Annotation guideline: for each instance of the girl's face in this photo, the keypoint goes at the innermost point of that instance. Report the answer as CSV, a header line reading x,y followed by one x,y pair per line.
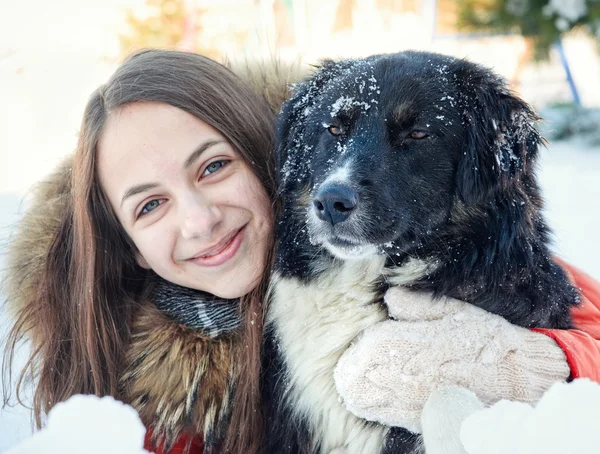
x,y
194,209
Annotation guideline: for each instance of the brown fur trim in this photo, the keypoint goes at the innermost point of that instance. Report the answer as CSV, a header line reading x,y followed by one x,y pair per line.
x,y
272,78
29,244
179,380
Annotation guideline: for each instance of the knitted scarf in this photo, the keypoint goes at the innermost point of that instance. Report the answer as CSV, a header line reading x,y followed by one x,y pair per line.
x,y
200,311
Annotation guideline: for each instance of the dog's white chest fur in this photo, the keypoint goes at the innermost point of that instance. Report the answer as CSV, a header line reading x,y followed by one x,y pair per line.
x,y
314,324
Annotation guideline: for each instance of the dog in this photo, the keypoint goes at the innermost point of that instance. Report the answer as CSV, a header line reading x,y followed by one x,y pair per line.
x,y
412,169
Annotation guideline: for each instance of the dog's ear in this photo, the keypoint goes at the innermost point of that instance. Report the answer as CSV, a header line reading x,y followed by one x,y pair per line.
x,y
502,140
305,93
291,121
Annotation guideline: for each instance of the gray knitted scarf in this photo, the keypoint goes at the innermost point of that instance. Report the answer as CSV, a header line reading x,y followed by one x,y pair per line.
x,y
198,310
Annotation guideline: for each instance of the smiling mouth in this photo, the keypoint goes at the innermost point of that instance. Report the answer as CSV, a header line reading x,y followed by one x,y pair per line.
x,y
221,252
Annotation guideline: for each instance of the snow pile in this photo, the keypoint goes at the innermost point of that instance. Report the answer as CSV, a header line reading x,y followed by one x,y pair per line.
x,y
564,421
568,12
88,424
572,122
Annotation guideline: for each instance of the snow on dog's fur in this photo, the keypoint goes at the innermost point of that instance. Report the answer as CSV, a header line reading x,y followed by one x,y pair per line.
x,y
410,169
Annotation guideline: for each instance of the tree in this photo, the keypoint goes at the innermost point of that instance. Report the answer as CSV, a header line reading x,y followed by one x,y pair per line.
x,y
542,21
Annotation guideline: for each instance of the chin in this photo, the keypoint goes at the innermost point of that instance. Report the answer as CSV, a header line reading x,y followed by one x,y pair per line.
x,y
239,290
352,252
231,293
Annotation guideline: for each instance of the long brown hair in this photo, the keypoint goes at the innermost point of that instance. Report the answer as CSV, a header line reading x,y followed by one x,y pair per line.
x,y
81,315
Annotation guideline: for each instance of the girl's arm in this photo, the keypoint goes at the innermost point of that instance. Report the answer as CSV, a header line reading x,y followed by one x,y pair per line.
x,y
390,371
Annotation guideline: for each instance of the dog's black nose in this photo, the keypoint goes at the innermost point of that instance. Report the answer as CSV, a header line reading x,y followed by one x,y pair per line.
x,y
335,203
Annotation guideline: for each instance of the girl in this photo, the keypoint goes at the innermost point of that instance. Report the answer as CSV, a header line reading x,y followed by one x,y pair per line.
x,y
147,283
140,269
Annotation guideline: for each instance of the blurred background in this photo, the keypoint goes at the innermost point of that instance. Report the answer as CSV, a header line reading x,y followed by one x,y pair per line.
x,y
53,54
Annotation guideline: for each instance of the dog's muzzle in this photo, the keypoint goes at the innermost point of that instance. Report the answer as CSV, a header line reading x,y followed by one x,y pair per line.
x,y
330,224
335,203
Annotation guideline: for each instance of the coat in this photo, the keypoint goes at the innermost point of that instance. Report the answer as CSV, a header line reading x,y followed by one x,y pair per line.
x,y
581,345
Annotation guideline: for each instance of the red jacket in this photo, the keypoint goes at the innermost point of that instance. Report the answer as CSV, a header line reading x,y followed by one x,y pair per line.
x,y
581,345
196,447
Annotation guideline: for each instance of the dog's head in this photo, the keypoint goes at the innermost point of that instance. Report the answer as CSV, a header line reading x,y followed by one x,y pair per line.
x,y
379,151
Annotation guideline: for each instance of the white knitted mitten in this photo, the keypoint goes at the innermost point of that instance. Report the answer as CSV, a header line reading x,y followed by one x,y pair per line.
x,y
392,368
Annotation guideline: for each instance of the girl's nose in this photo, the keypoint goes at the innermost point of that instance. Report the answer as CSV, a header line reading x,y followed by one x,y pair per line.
x,y
199,218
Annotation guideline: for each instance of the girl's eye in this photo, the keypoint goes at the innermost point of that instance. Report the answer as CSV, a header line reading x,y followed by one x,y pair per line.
x,y
150,206
214,167
416,134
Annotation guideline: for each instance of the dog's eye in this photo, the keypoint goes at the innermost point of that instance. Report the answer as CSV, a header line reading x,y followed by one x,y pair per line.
x,y
416,134
336,130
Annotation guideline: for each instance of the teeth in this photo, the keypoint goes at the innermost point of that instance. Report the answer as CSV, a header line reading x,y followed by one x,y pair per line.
x,y
211,255
219,251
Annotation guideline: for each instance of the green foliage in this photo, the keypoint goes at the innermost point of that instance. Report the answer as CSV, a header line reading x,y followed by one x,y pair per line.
x,y
543,21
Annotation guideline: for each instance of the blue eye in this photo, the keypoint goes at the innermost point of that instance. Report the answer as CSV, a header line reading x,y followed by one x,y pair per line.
x,y
150,206
214,167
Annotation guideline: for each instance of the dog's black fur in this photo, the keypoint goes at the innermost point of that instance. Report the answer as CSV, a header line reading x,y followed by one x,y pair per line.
x,y
442,171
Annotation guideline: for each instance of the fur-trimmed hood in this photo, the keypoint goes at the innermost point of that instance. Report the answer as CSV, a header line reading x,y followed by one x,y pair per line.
x,y
178,379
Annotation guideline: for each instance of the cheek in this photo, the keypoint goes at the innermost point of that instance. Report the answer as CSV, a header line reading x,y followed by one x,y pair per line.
x,y
252,196
412,187
263,207
427,172
154,245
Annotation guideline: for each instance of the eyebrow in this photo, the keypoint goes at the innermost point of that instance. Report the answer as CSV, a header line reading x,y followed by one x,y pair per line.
x,y
198,151
137,189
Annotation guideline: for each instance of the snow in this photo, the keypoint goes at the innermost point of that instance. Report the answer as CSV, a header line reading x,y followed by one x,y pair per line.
x,y
565,420
345,103
570,181
567,10
88,424
507,138
567,121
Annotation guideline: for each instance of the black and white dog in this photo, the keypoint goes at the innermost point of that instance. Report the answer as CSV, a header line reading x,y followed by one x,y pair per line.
x,y
411,169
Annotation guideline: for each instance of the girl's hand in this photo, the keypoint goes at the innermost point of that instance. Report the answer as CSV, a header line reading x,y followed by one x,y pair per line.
x,y
393,367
